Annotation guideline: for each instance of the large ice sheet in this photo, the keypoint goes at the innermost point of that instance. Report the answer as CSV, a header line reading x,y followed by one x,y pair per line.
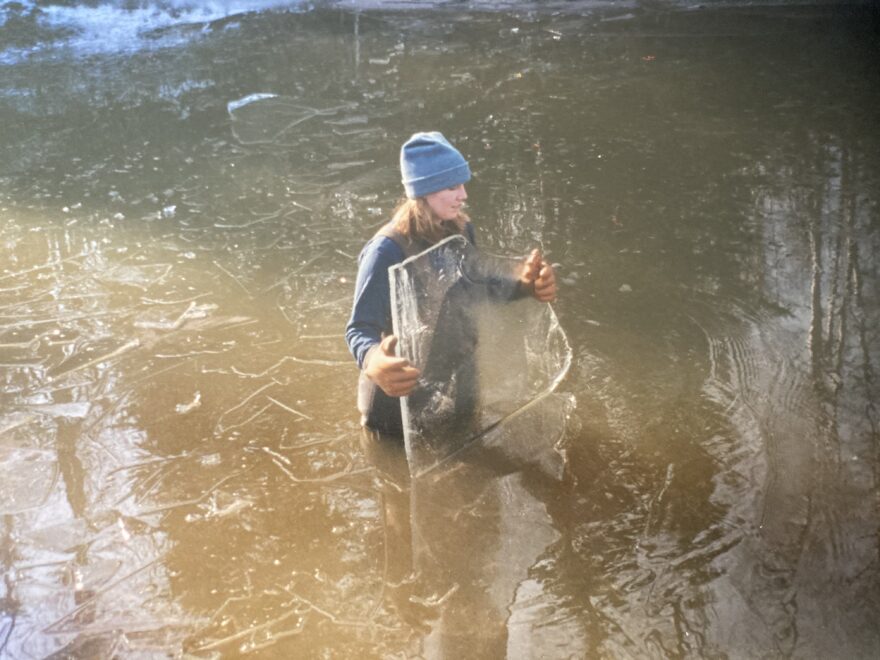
x,y
483,352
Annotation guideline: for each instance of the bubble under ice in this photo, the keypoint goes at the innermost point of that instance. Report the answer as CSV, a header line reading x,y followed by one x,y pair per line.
x,y
483,350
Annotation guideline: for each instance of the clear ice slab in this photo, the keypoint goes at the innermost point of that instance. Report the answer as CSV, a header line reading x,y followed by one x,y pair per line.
x,y
484,351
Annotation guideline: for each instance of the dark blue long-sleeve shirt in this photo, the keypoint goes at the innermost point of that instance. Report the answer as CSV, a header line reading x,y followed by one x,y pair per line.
x,y
371,310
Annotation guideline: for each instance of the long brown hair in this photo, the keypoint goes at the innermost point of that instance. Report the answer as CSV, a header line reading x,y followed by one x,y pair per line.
x,y
414,219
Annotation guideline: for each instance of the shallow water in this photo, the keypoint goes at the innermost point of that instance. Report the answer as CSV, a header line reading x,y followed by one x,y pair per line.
x,y
181,469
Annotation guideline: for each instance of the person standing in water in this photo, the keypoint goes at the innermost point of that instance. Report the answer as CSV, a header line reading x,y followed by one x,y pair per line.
x,y
433,175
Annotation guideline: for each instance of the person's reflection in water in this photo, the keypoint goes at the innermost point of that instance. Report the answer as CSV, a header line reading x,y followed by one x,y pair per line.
x,y
460,539
387,456
440,592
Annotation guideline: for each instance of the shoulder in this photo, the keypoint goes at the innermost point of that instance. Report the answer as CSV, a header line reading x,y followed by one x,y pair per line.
x,y
380,250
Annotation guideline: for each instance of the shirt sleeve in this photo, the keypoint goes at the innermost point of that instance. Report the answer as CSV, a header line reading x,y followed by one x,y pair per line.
x,y
371,309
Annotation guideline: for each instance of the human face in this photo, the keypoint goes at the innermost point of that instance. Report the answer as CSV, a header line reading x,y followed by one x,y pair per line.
x,y
446,204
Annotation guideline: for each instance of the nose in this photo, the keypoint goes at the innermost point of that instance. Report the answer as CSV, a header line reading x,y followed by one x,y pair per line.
x,y
462,193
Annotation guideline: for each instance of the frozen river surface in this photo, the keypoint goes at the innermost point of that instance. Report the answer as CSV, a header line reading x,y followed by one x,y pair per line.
x,y
184,190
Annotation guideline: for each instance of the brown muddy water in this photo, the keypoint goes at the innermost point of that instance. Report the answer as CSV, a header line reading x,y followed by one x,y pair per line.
x,y
181,467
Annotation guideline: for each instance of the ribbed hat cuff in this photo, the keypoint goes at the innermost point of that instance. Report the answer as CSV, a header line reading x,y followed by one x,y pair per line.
x,y
437,181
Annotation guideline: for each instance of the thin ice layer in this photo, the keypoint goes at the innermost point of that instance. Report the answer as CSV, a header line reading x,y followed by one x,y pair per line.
x,y
483,350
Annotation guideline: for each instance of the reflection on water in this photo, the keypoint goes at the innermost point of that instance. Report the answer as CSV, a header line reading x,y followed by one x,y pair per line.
x,y
464,537
181,469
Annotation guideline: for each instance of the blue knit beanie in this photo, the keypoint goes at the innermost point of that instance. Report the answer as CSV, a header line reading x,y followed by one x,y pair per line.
x,y
428,163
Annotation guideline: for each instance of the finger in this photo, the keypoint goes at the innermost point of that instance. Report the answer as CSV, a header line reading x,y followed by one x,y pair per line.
x,y
546,278
397,364
532,264
400,388
404,374
547,272
546,282
545,291
389,344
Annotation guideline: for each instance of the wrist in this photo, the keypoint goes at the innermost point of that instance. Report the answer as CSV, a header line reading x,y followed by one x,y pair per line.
x,y
368,357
